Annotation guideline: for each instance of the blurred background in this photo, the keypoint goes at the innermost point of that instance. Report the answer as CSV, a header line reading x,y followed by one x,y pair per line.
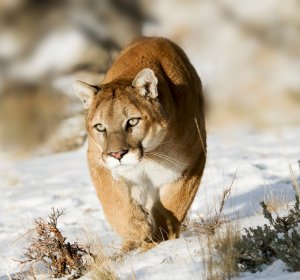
x,y
247,54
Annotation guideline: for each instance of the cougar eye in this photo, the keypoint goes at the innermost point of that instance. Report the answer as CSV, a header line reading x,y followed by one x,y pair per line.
x,y
133,122
100,127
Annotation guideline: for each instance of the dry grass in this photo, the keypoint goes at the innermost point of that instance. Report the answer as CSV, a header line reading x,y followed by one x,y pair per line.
x,y
218,237
275,203
294,179
219,255
212,222
102,268
62,258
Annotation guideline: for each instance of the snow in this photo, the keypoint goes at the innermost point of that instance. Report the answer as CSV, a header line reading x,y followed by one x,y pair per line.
x,y
259,160
159,263
277,271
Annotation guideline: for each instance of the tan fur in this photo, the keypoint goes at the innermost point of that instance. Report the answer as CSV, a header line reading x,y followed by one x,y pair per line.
x,y
146,198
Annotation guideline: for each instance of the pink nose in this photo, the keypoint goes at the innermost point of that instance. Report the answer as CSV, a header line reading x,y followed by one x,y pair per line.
x,y
118,155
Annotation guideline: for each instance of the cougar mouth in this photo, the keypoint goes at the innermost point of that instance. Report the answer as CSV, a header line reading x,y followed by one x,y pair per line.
x,y
128,159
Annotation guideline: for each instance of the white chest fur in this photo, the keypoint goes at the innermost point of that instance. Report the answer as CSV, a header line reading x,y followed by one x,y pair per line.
x,y
146,179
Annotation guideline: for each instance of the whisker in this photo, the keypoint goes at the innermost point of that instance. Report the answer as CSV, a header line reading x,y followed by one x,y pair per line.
x,y
181,166
156,163
171,158
152,160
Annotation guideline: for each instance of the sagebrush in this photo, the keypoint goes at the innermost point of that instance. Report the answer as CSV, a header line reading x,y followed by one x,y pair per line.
x,y
50,247
278,240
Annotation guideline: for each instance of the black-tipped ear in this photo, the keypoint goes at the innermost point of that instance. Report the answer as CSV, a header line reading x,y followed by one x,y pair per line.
x,y
146,82
85,92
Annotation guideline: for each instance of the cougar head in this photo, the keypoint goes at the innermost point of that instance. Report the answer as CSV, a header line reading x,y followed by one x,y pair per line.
x,y
125,119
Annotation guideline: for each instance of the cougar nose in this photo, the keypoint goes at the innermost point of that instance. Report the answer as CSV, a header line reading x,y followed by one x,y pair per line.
x,y
118,155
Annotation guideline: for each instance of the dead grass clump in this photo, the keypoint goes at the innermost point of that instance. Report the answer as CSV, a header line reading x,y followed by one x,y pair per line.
x,y
220,255
211,223
50,247
275,203
102,265
102,268
218,237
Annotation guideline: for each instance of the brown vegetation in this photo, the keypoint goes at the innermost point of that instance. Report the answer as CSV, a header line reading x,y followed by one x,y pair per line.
x,y
63,258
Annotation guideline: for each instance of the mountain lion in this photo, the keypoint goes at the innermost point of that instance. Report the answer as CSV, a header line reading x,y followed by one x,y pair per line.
x,y
146,140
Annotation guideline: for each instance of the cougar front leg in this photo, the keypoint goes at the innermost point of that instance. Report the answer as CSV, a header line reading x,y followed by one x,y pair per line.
x,y
125,216
140,228
175,201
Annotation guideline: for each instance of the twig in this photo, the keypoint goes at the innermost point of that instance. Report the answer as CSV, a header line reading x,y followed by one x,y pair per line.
x,y
50,247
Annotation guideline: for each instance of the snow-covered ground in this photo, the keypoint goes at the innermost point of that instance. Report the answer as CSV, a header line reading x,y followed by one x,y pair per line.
x,y
29,189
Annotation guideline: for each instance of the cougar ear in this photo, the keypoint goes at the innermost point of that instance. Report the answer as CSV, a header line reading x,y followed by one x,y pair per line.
x,y
146,82
85,92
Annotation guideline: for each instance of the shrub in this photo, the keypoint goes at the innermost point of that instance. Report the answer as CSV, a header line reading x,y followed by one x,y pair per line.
x,y
50,247
279,240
